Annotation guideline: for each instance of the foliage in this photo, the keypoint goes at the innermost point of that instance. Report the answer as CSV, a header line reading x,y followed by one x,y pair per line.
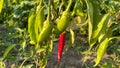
x,y
29,29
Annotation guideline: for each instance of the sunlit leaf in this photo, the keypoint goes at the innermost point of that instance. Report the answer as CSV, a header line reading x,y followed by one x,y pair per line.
x,y
23,44
100,29
107,65
72,36
28,66
43,62
2,64
7,50
50,45
1,5
90,18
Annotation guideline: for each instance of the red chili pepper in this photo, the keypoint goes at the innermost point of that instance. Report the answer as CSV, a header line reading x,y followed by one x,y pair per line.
x,y
61,45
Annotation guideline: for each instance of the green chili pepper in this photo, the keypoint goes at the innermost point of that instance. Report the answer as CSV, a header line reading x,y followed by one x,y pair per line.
x,y
101,50
45,33
40,18
99,28
64,19
103,46
47,29
31,27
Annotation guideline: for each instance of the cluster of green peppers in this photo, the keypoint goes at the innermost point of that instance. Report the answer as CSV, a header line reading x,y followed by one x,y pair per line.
x,y
38,27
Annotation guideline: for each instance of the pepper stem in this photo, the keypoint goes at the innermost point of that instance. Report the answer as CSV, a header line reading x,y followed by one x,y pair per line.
x,y
69,5
49,11
74,10
39,6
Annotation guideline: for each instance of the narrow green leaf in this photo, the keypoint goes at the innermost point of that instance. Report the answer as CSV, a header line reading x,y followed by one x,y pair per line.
x,y
28,66
43,62
2,64
90,18
1,5
107,65
23,45
115,37
100,38
40,50
50,44
100,29
101,25
7,50
72,36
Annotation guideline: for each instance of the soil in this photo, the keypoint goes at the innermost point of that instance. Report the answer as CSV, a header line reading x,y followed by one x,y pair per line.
x,y
70,59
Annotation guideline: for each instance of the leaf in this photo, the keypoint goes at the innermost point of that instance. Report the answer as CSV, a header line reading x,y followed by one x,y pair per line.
x,y
100,29
23,45
90,18
77,9
101,37
1,5
107,65
43,61
41,50
2,64
72,36
115,37
28,66
50,44
7,50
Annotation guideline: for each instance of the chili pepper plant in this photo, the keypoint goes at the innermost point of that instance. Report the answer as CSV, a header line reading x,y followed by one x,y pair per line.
x,y
29,30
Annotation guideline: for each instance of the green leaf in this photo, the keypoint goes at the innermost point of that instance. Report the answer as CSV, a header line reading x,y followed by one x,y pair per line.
x,y
2,64
7,50
101,37
28,66
90,18
72,36
41,50
23,45
100,29
50,44
107,65
43,62
115,37
1,5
